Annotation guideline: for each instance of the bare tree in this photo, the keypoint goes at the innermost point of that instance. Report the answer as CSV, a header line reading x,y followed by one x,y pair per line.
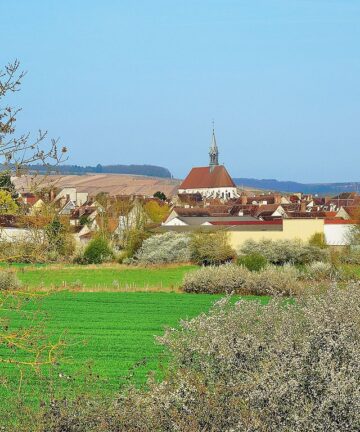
x,y
27,346
17,152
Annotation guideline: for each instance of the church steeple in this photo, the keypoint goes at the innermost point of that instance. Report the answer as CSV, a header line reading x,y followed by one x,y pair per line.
x,y
214,152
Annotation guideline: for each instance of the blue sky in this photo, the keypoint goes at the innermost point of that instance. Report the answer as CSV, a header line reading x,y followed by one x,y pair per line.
x,y
140,82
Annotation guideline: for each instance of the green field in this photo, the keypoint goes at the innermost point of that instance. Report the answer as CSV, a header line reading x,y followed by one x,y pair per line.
x,y
111,330
97,277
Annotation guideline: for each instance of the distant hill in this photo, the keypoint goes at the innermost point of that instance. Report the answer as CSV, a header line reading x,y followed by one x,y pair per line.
x,y
145,170
289,186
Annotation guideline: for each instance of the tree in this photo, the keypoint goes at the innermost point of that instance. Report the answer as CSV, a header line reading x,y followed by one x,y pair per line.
x,y
7,185
7,204
17,152
155,211
160,195
26,346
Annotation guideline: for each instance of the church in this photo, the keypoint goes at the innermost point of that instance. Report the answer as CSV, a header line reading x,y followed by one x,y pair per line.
x,y
211,181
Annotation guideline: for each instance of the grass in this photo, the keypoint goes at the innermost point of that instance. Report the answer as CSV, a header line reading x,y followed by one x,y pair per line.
x,y
111,330
114,277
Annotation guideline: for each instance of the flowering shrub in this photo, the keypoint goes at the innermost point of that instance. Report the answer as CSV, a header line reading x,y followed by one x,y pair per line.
x,y
215,280
285,251
238,279
164,248
8,281
273,280
319,271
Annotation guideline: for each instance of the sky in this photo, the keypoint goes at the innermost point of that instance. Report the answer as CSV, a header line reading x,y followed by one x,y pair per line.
x,y
140,82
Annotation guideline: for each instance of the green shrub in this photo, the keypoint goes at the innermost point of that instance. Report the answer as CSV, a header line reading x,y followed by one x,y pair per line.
x,y
285,251
253,262
318,240
134,241
8,281
97,251
211,248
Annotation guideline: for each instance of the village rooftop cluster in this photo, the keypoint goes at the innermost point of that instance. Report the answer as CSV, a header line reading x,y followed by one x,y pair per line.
x,y
207,199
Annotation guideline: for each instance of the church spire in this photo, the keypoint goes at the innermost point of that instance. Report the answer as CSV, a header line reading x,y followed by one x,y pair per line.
x,y
214,152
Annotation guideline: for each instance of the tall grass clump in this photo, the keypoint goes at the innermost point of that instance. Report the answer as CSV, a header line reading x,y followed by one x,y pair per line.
x,y
280,252
164,248
9,281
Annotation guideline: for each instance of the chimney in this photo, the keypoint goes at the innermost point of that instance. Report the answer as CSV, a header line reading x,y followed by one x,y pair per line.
x,y
303,206
277,199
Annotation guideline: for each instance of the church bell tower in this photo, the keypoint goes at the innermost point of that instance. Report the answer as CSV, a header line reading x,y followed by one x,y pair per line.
x,y
214,152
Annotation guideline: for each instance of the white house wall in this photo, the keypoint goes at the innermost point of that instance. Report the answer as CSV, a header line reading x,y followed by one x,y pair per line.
x,y
8,234
175,222
213,192
337,234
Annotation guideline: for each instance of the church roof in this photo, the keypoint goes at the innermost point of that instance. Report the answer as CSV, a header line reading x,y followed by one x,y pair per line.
x,y
207,178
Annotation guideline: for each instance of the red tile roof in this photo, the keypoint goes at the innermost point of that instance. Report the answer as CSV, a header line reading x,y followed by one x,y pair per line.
x,y
207,177
230,222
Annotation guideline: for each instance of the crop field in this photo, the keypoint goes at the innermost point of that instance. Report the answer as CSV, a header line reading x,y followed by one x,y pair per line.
x,y
111,331
114,277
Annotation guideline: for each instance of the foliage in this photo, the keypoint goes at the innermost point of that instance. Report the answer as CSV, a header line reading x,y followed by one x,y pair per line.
x,y
84,220
245,367
169,247
8,281
59,239
160,195
211,248
155,211
134,240
7,203
230,278
97,251
7,185
352,256
253,262
318,240
285,251
32,250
